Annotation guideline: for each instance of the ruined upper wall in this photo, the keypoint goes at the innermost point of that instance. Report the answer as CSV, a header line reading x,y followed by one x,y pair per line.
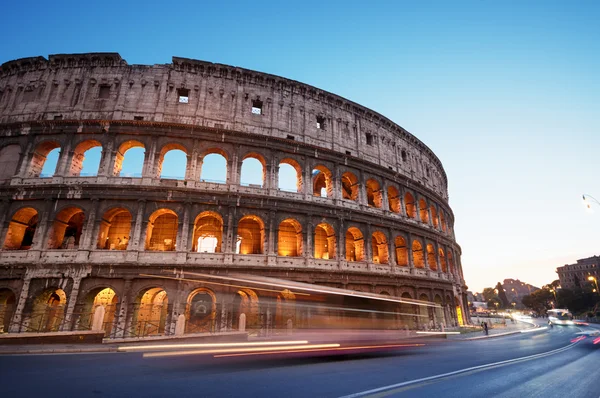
x,y
104,86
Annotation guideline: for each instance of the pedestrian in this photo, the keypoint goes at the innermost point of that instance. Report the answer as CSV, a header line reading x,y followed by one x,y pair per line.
x,y
485,328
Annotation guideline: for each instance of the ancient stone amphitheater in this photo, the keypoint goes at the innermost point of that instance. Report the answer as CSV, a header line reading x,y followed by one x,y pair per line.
x,y
369,209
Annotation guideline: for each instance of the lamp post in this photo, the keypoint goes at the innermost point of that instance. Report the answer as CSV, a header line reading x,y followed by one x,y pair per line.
x,y
593,278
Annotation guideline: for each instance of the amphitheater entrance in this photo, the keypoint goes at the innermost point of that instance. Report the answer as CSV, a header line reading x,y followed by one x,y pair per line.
x,y
115,229
7,308
99,297
355,245
67,229
47,312
201,311
208,233
246,303
149,313
21,230
289,239
324,241
250,236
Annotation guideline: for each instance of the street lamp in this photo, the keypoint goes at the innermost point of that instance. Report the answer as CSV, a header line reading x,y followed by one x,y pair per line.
x,y
593,278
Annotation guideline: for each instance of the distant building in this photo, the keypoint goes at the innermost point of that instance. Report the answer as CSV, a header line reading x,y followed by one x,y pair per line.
x,y
515,290
575,275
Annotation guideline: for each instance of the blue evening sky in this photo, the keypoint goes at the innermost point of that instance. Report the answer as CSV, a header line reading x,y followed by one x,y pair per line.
x,y
506,93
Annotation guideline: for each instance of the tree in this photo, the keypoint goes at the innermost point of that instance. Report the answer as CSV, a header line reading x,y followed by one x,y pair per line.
x,y
539,301
488,293
502,296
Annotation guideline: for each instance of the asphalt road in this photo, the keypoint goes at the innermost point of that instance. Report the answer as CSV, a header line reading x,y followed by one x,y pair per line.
x,y
572,372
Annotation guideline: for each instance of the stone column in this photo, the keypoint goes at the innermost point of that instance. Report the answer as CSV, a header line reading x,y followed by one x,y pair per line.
x,y
72,300
136,242
25,160
336,181
341,244
183,231
123,312
44,226
15,326
409,251
4,221
107,160
392,260
367,238
87,235
309,250
271,237
190,167
230,232
307,181
362,189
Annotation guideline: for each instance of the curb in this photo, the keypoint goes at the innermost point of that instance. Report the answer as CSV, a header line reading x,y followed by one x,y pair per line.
x,y
61,351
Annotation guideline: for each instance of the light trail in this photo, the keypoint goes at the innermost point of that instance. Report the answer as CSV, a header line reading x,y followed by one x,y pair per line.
x,y
204,345
320,349
233,350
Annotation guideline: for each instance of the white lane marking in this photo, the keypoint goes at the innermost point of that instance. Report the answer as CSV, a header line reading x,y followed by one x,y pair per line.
x,y
456,372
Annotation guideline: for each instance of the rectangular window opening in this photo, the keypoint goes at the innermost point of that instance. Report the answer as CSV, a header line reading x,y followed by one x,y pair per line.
x,y
321,122
257,107
104,92
58,117
348,153
369,139
291,137
184,95
138,118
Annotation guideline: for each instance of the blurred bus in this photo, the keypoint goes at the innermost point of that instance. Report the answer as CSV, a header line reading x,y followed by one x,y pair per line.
x,y
560,317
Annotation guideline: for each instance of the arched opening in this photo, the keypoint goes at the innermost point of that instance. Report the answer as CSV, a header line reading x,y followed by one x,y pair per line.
x,y
355,245
9,161
438,312
393,199
349,186
201,311
162,231
379,247
44,159
322,182
443,221
401,251
290,176
66,229
150,312
451,268
374,196
172,162
213,167
442,260
434,217
423,213
98,297
7,308
285,311
21,229
129,159
431,257
250,236
86,159
246,302
409,203
408,311
47,312
417,252
289,238
325,244
115,229
208,233
254,169
426,318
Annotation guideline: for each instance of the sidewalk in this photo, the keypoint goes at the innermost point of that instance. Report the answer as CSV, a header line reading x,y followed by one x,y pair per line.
x,y
496,331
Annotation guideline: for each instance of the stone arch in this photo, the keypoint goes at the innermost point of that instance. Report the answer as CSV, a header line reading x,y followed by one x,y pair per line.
x,y
289,239
99,296
417,252
217,159
47,311
161,234
21,229
324,241
379,247
393,199
208,233
67,229
423,213
249,161
38,159
77,161
431,257
115,229
201,311
374,196
172,152
9,160
246,302
355,245
150,312
401,251
126,159
285,310
295,166
349,186
443,221
8,303
451,268
409,204
250,235
442,259
322,181
434,216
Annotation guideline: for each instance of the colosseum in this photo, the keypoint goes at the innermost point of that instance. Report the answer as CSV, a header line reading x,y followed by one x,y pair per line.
x,y
367,209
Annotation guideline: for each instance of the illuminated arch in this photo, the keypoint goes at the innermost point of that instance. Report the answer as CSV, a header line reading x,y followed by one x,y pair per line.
x,y
322,182
47,311
201,311
289,239
423,213
349,186
442,259
161,234
374,196
379,246
324,242
8,303
393,199
409,203
443,221
100,296
417,252
21,229
250,235
208,233
434,216
67,229
355,245
431,257
115,229
150,312
401,251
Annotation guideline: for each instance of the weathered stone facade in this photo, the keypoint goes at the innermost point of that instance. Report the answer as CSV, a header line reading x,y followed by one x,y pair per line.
x,y
68,238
